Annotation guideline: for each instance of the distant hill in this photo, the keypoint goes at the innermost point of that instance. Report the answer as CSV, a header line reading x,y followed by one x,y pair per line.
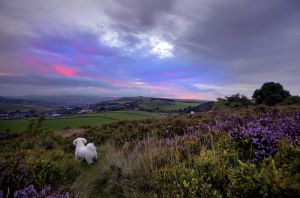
x,y
147,104
9,104
54,101
44,103
69,100
151,104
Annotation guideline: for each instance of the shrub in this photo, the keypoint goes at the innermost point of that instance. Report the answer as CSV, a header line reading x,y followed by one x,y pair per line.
x,y
37,167
233,101
277,177
37,158
292,100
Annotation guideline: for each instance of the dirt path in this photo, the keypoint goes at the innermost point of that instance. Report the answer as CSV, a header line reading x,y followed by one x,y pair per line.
x,y
85,183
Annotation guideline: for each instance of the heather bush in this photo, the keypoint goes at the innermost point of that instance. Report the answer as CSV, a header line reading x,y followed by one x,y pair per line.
x,y
143,171
218,172
47,191
36,158
131,132
37,167
275,177
206,176
263,133
222,154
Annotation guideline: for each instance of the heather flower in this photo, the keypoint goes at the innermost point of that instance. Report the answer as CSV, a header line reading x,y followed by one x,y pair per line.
x,y
31,192
264,132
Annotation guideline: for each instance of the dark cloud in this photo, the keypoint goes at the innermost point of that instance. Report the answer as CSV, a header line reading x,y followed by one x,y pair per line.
x,y
12,43
246,29
230,34
136,15
247,42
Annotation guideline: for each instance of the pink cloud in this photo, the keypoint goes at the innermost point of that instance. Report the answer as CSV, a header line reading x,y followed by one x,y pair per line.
x,y
66,70
3,74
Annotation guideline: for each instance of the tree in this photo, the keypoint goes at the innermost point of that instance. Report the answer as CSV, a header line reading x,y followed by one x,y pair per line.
x,y
270,94
236,100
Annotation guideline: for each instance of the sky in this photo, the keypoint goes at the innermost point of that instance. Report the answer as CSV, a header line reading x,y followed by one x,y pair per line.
x,y
187,49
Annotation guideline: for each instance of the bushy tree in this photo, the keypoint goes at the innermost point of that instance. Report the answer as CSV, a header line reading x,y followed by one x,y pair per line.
x,y
241,100
235,100
270,94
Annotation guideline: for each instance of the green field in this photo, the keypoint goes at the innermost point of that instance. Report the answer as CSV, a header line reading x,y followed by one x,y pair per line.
x,y
93,119
167,106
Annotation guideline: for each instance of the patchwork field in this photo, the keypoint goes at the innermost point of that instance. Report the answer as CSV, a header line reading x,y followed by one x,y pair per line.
x,y
93,119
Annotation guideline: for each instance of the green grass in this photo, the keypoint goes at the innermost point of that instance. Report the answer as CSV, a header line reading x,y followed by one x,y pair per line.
x,y
84,185
167,106
74,122
129,115
14,125
120,114
93,119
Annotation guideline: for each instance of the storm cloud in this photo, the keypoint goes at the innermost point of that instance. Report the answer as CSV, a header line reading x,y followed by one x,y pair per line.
x,y
200,49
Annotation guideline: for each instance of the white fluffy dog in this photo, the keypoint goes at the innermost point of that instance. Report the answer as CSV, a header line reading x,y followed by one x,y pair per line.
x,y
85,152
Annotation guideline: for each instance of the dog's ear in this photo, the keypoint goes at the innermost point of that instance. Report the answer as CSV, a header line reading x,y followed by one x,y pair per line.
x,y
84,140
74,142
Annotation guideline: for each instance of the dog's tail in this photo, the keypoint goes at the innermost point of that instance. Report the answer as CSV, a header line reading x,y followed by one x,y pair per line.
x,y
91,147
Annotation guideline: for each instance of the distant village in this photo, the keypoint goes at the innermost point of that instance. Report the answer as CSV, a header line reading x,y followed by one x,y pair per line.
x,y
57,112
66,110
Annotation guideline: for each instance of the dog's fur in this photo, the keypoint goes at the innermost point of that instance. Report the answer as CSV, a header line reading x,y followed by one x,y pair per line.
x,y
85,152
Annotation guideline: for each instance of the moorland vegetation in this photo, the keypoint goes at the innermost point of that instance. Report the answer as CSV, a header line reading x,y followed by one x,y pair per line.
x,y
250,150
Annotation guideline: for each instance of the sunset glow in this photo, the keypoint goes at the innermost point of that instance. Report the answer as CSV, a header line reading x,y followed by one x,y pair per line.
x,y
65,70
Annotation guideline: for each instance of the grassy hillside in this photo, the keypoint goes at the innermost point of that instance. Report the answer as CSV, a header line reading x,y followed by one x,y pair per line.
x,y
167,106
93,119
147,104
253,152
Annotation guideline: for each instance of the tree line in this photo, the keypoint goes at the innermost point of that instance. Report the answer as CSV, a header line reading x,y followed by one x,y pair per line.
x,y
270,94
